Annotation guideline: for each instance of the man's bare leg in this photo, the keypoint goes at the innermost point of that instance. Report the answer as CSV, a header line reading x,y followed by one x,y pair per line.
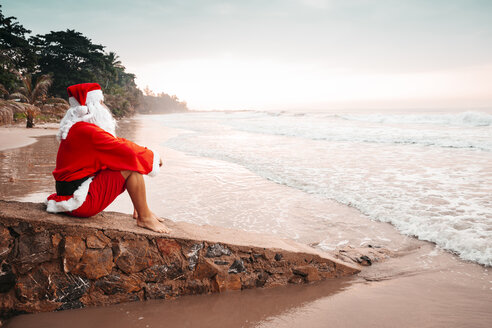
x,y
135,215
135,185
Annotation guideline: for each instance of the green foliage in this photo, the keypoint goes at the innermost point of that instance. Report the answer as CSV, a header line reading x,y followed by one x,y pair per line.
x,y
121,92
3,91
62,58
72,58
19,116
33,93
16,53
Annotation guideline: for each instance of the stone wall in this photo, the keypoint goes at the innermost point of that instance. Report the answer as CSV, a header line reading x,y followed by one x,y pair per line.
x,y
54,262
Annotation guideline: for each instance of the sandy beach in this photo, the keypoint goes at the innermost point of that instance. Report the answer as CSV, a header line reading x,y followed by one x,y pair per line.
x,y
419,286
308,163
17,136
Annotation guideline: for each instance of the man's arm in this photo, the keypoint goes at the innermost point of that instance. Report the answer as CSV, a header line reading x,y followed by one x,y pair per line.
x,y
119,154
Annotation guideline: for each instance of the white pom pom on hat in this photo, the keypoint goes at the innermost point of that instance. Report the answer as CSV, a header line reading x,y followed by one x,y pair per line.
x,y
81,111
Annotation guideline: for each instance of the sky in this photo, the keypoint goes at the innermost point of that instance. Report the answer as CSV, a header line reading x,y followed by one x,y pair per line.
x,y
290,54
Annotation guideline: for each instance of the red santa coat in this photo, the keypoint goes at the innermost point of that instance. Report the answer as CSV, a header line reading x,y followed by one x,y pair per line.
x,y
89,149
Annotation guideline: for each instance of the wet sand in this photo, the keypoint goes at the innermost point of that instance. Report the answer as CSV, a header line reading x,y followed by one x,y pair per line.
x,y
420,287
17,136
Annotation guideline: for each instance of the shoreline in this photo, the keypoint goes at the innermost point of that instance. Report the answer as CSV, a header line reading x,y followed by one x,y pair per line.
x,y
422,285
17,136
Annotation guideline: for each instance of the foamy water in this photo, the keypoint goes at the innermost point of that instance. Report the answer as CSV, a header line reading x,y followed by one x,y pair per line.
x,y
428,175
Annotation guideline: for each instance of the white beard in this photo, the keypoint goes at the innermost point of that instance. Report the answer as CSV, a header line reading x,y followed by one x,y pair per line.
x,y
94,113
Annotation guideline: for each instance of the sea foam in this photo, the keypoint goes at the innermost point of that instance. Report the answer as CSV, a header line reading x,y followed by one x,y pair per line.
x,y
430,180
467,119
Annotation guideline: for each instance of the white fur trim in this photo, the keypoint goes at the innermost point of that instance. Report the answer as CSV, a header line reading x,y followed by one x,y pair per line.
x,y
92,97
155,164
73,102
73,203
94,112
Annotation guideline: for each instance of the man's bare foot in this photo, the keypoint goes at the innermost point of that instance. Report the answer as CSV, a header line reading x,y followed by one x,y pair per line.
x,y
135,216
152,223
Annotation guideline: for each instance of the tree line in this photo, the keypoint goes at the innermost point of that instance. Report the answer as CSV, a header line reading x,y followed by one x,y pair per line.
x,y
59,59
161,102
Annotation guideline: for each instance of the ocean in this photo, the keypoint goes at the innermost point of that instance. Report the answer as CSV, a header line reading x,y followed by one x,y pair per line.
x,y
428,174
332,180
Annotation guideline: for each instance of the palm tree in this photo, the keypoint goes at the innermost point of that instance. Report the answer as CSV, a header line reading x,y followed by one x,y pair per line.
x,y
114,59
113,67
32,94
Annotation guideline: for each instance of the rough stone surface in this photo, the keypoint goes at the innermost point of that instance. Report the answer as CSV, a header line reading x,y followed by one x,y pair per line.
x,y
98,240
158,291
118,283
219,262
135,255
74,248
237,267
168,247
68,288
217,250
7,277
6,242
226,281
206,270
364,256
193,255
54,262
33,249
163,272
95,263
309,273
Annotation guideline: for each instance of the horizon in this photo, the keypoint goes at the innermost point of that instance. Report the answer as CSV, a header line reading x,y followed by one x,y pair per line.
x,y
311,54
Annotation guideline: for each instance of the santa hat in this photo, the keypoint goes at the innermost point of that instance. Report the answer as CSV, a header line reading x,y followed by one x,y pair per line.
x,y
79,95
85,106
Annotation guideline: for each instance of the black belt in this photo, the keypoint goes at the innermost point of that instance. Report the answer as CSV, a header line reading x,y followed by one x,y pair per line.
x,y
67,188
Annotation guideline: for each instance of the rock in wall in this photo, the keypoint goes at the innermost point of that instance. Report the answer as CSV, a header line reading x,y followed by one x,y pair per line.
x,y
54,262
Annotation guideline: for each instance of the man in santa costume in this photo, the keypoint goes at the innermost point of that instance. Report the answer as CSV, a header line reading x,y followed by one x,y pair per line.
x,y
93,166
